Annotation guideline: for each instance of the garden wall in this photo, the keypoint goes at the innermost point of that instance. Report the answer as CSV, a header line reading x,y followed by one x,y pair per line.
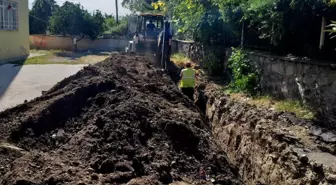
x,y
49,42
313,82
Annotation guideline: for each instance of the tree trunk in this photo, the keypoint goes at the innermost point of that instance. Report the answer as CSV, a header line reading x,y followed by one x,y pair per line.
x,y
117,19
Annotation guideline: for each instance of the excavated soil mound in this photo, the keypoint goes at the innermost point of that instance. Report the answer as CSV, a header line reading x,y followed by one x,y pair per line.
x,y
121,121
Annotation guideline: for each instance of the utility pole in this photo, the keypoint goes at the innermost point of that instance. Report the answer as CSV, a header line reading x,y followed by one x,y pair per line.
x,y
117,19
322,35
242,35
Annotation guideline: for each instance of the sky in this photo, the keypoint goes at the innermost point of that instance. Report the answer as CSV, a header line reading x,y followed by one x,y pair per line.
x,y
106,6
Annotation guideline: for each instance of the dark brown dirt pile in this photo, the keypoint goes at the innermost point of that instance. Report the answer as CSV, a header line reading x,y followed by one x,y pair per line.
x,y
117,122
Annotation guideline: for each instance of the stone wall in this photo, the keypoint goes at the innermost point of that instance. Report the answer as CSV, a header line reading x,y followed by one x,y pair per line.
x,y
188,48
313,82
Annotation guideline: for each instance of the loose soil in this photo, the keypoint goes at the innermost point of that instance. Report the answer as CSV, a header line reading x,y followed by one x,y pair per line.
x,y
121,121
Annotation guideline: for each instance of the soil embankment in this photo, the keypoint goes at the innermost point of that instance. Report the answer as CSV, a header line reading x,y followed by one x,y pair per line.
x,y
121,121
270,147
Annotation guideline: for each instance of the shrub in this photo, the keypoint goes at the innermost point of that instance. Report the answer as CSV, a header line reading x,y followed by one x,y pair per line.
x,y
245,74
119,30
212,64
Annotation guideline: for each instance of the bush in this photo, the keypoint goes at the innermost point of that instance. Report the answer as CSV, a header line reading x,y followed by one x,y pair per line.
x,y
119,30
115,29
245,75
110,23
212,64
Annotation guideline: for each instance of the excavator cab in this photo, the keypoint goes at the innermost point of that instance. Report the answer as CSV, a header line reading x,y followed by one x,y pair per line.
x,y
145,29
150,26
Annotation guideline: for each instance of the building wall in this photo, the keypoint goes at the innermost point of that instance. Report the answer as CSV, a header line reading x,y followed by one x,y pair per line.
x,y
15,44
50,42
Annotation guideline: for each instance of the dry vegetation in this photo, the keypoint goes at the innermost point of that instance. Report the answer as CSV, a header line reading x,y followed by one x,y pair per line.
x,y
295,107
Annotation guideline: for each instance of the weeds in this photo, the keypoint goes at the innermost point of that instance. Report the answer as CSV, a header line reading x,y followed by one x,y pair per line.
x,y
296,107
245,74
301,111
179,59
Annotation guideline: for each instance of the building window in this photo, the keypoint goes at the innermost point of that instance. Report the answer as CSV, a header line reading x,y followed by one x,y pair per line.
x,y
8,15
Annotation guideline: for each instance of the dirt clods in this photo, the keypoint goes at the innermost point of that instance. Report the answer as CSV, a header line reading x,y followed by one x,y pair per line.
x,y
121,121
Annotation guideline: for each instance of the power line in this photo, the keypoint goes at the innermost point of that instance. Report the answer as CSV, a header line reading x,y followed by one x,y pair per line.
x,y
38,18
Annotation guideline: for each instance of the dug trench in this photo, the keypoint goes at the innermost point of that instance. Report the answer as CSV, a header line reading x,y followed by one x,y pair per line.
x,y
267,147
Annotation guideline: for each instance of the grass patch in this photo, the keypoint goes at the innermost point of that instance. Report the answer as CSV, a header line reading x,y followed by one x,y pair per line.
x,y
295,107
61,57
179,59
262,101
40,60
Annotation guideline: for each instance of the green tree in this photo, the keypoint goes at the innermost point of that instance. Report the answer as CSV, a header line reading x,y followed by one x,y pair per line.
x,y
121,28
71,19
40,14
140,5
110,22
282,26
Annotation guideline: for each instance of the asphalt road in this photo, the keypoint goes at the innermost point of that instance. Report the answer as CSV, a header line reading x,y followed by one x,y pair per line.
x,y
20,83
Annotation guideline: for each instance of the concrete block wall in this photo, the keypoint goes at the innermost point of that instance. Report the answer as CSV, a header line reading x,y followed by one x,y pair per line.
x,y
48,42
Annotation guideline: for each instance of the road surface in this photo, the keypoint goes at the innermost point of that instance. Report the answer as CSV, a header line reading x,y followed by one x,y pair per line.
x,y
20,83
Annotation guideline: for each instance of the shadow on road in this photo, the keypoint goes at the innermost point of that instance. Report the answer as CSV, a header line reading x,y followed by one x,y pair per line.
x,y
8,72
